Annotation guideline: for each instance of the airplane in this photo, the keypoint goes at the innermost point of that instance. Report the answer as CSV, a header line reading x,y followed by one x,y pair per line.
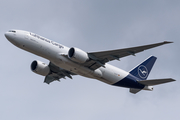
x,y
66,62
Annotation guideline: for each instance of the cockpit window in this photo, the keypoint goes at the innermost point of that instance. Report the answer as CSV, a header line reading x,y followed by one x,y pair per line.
x,y
12,31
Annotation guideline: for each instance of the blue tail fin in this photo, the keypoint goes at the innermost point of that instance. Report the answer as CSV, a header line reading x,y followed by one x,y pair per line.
x,y
142,70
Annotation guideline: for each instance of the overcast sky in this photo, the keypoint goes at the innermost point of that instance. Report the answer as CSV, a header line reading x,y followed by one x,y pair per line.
x,y
91,25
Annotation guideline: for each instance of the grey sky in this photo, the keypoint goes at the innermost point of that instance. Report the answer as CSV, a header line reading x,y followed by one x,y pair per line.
x,y
91,25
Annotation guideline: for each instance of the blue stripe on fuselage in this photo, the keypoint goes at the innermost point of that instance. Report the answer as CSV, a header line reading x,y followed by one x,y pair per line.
x,y
129,82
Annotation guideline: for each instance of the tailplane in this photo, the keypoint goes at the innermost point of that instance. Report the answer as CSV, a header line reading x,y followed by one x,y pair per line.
x,y
149,84
155,81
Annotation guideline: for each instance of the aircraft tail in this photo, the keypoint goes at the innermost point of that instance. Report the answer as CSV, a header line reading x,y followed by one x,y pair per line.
x,y
143,69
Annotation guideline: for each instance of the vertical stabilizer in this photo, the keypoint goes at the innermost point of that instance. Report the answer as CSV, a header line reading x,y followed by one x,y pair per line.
x,y
142,70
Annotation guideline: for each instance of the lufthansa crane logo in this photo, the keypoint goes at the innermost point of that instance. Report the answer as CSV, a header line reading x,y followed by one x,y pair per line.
x,y
142,71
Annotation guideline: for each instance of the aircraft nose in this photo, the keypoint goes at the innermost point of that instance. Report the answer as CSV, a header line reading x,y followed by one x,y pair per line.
x,y
6,35
10,36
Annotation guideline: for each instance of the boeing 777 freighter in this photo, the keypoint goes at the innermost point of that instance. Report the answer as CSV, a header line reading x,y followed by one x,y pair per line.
x,y
66,62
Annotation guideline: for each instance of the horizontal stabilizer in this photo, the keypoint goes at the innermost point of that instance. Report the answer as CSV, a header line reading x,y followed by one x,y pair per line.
x,y
156,81
134,91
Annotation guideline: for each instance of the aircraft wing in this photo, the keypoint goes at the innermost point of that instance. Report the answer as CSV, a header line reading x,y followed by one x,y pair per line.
x,y
98,59
57,73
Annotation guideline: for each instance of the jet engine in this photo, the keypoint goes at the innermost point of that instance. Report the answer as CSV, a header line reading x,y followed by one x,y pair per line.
x,y
40,68
78,55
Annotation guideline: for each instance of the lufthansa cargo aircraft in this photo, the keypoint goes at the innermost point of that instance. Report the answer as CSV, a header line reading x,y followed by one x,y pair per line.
x,y
66,62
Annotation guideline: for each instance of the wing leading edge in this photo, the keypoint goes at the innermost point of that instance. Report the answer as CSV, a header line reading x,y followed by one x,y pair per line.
x,y
98,59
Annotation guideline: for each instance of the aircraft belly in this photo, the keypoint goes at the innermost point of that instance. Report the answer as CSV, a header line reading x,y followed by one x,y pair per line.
x,y
129,82
109,74
73,67
113,74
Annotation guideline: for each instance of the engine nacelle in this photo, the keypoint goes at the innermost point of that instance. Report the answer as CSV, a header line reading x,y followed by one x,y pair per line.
x,y
40,68
78,55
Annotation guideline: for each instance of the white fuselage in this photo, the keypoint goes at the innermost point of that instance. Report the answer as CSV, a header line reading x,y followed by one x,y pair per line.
x,y
56,52
65,62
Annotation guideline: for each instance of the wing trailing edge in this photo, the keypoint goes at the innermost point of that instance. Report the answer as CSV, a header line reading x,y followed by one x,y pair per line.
x,y
57,73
